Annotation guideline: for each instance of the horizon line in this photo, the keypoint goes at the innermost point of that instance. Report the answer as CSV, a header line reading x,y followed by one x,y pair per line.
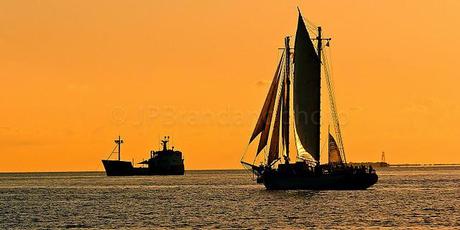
x,y
231,169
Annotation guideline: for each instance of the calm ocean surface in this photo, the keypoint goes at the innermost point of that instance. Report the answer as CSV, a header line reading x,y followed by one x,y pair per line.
x,y
404,197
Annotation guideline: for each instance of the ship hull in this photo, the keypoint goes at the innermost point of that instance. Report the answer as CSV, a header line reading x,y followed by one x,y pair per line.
x,y
125,168
320,182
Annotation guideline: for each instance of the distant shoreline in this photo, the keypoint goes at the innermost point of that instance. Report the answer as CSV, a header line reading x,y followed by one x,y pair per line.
x,y
385,164
418,165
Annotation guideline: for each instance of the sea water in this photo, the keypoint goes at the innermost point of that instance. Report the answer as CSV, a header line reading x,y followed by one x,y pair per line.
x,y
416,197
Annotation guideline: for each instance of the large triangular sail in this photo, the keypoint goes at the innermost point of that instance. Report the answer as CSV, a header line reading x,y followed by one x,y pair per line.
x,y
306,91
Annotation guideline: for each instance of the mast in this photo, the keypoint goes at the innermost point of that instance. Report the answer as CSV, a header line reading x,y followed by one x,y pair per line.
x,y
320,46
119,141
320,43
164,143
287,88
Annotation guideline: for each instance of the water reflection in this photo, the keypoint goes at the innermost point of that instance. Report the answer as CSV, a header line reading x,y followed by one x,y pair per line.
x,y
225,200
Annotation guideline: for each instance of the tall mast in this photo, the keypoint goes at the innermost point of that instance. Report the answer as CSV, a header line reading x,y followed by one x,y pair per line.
x,y
320,44
288,83
320,47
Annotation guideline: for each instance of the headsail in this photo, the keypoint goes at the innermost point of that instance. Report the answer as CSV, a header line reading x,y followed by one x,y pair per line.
x,y
266,132
307,94
269,103
334,152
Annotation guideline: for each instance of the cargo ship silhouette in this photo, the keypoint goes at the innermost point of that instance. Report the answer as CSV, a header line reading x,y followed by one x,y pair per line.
x,y
163,162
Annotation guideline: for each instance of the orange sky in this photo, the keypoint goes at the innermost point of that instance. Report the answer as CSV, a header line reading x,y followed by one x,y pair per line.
x,y
75,74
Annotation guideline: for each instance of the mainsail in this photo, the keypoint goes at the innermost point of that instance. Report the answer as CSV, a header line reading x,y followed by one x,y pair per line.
x,y
307,94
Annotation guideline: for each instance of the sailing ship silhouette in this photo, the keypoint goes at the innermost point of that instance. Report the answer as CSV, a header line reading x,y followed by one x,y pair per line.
x,y
303,112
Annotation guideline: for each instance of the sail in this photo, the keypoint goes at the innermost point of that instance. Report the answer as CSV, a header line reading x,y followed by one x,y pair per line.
x,y
301,152
334,152
268,121
267,108
275,140
306,91
266,132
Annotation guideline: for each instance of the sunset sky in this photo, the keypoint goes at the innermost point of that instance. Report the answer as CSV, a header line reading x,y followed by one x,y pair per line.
x,y
76,74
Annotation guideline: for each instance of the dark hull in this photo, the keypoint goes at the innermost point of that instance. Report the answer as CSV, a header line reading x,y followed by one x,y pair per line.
x,y
320,182
125,168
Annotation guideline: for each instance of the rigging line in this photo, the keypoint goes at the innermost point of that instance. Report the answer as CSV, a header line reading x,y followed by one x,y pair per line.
x,y
248,171
312,30
334,110
331,90
309,22
310,25
245,151
324,145
336,120
265,153
248,168
331,67
253,163
113,150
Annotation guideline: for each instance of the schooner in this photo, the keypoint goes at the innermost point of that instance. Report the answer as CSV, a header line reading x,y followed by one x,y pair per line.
x,y
290,121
